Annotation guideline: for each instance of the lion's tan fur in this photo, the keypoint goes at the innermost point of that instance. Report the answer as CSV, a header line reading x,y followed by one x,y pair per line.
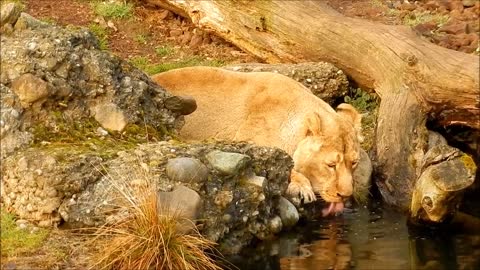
x,y
273,110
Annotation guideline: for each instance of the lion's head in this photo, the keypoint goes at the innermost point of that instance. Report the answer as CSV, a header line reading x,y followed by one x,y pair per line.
x,y
329,152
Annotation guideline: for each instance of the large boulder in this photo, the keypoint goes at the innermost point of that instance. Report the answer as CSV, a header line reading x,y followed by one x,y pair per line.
x,y
78,187
324,79
56,81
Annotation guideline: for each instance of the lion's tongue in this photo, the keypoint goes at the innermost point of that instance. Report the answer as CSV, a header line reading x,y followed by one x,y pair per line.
x,y
332,208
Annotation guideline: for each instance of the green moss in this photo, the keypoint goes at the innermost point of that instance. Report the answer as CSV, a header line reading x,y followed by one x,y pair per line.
x,y
469,163
15,241
81,137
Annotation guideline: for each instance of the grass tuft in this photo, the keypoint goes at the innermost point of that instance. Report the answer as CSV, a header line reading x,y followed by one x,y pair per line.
x,y
113,10
415,18
165,50
16,241
101,33
148,237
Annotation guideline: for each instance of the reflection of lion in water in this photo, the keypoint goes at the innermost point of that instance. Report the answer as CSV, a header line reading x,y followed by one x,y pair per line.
x,y
274,110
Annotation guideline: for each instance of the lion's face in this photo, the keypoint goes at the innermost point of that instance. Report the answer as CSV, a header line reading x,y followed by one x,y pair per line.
x,y
327,156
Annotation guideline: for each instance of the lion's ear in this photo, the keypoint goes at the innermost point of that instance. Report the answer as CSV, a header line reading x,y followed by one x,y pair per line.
x,y
313,125
349,113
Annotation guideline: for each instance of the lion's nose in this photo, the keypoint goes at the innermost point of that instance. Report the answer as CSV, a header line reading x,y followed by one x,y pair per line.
x,y
345,190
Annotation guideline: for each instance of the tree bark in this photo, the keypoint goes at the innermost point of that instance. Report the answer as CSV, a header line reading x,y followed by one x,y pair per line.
x,y
415,79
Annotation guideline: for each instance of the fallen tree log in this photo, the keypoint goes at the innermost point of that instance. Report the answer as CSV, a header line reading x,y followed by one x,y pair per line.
x,y
416,80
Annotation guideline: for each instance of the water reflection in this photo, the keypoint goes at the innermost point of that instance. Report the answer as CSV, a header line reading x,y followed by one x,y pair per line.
x,y
365,238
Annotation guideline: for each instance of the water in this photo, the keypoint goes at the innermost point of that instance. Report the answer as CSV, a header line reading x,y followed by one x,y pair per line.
x,y
370,237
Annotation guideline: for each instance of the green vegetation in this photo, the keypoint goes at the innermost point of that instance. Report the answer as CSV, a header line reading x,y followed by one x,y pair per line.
x,y
367,105
20,3
141,38
101,33
113,10
149,237
144,64
415,18
361,100
15,241
164,50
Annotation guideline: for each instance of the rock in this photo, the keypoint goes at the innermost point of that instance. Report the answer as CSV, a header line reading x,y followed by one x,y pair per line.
x,y
362,178
184,202
183,105
469,3
324,80
431,5
109,116
275,224
25,21
196,41
425,29
165,14
82,81
407,6
101,132
10,13
232,210
185,38
456,5
227,163
453,28
176,32
258,181
29,89
435,138
288,212
184,169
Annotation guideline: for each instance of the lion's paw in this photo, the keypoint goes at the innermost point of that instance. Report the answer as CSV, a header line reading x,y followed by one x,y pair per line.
x,y
304,192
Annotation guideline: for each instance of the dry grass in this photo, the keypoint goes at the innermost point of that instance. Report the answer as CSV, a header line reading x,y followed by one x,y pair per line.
x,y
149,237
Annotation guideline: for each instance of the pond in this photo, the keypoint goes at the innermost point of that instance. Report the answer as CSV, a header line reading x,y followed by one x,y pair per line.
x,y
368,237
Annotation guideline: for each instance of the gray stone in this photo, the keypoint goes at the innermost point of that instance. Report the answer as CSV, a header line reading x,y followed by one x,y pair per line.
x,y
255,180
227,163
275,224
109,116
362,178
29,89
183,105
288,212
469,3
184,169
184,202
25,21
323,79
10,13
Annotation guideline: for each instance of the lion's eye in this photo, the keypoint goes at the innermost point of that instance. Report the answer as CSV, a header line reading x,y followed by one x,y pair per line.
x,y
354,164
332,165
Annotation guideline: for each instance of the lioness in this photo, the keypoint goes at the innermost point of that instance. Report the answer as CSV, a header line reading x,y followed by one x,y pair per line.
x,y
273,110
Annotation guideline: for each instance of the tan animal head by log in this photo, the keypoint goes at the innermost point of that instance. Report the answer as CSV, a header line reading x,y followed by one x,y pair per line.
x,y
329,153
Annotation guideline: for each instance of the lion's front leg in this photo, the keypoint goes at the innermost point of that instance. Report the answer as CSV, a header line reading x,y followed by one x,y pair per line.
x,y
300,187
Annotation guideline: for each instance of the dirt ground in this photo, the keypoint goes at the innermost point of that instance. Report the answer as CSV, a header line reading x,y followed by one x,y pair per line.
x,y
155,35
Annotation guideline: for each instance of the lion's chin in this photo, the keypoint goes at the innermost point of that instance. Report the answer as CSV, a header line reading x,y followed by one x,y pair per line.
x,y
332,209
